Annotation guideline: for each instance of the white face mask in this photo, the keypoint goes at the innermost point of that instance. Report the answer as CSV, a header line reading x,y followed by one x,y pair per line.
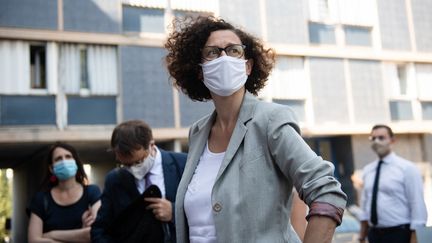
x,y
141,169
224,75
381,148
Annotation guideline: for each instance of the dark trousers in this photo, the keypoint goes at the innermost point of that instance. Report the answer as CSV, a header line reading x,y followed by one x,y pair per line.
x,y
397,234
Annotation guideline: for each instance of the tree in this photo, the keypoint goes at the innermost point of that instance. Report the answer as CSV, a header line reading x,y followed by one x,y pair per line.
x,y
5,203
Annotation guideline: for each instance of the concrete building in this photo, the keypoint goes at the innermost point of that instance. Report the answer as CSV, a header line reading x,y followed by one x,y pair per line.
x,y
72,69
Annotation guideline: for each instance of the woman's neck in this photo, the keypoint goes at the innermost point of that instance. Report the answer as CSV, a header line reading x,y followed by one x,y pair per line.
x,y
68,184
228,108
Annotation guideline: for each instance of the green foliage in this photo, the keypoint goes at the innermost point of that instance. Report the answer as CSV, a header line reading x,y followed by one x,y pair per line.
x,y
5,202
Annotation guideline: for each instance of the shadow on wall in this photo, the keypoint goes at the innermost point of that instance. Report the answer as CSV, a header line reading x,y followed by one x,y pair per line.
x,y
92,15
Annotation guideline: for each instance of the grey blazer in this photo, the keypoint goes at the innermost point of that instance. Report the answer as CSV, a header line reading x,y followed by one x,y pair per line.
x,y
265,158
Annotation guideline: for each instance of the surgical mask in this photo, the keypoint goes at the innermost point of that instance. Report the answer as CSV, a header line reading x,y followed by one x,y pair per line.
x,y
65,169
381,148
224,75
141,169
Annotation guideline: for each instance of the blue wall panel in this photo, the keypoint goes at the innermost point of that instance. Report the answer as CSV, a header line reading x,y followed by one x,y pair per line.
x,y
328,90
137,19
27,110
286,21
146,90
242,13
39,14
393,23
370,106
91,110
422,18
191,111
92,15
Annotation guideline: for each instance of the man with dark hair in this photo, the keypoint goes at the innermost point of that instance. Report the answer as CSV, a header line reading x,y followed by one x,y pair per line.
x,y
131,210
392,198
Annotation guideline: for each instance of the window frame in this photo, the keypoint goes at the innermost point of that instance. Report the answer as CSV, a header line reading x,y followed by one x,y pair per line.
x,y
41,66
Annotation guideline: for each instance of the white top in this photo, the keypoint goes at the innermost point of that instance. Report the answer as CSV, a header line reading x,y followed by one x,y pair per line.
x,y
154,177
400,193
197,202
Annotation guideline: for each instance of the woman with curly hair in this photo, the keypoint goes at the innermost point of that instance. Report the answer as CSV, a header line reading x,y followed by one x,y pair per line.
x,y
245,158
66,207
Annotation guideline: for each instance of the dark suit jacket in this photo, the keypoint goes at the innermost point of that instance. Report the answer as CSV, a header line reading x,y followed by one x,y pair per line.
x,y
120,191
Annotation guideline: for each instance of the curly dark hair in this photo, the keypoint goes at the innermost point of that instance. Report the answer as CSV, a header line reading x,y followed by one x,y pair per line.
x,y
184,47
80,176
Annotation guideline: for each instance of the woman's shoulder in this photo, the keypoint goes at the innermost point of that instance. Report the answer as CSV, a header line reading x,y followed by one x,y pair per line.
x,y
40,196
93,189
270,108
273,112
93,193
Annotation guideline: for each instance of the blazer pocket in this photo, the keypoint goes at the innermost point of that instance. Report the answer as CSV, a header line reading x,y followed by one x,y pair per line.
x,y
252,156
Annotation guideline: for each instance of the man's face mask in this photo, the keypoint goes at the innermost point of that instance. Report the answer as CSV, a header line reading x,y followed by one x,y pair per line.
x,y
65,169
381,145
140,169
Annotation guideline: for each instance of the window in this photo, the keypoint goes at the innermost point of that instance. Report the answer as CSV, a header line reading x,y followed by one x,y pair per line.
x,y
321,33
424,80
427,110
88,69
138,19
402,78
38,66
401,110
84,82
357,36
288,79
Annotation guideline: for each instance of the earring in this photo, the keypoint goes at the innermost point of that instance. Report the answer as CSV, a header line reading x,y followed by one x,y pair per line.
x,y
53,179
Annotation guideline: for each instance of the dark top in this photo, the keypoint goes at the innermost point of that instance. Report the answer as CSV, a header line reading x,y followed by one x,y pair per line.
x,y
58,217
120,191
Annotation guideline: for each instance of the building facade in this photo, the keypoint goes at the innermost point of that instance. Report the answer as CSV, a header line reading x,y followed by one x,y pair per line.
x,y
72,69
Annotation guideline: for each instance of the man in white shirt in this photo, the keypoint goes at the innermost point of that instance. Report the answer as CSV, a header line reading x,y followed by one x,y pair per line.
x,y
392,198
126,214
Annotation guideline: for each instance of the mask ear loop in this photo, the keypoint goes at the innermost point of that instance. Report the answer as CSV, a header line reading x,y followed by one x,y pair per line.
x,y
152,149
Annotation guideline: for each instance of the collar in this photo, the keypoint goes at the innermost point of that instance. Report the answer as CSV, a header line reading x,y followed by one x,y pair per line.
x,y
388,158
157,162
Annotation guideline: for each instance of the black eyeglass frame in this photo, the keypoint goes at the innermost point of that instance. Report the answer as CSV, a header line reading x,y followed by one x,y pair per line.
x,y
223,49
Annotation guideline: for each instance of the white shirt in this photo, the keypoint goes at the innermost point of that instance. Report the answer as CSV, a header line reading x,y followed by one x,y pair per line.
x,y
400,193
154,177
197,202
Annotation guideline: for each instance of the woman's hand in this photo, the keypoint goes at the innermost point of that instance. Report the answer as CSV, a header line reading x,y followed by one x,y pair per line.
x,y
162,208
87,218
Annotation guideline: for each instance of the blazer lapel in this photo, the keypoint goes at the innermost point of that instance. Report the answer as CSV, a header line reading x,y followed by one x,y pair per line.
x,y
127,181
246,113
198,139
169,172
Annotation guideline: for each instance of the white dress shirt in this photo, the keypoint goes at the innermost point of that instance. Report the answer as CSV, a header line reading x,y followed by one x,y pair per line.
x,y
154,177
400,193
197,202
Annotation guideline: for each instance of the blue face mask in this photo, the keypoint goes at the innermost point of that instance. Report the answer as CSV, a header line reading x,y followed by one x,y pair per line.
x,y
65,169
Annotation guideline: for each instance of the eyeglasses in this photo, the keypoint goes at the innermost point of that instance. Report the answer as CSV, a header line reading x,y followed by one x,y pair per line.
x,y
135,158
212,52
380,138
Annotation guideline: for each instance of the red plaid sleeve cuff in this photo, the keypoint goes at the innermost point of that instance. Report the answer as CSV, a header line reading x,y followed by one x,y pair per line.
x,y
326,209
